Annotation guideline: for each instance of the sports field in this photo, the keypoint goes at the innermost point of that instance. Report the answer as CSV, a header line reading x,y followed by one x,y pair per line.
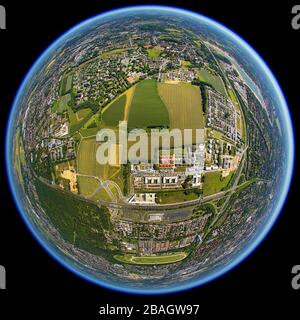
x,y
147,109
207,76
184,104
152,260
115,112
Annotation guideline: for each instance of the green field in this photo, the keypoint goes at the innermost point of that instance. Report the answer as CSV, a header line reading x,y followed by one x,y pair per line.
x,y
63,103
152,260
88,165
153,53
185,63
66,85
206,75
213,182
147,108
78,119
115,112
183,101
87,185
112,52
175,196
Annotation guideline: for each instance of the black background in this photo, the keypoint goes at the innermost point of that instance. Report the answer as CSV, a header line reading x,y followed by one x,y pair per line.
x,y
36,284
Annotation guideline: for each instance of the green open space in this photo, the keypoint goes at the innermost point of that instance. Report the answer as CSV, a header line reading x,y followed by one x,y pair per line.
x,y
66,85
63,103
214,182
207,76
152,260
110,53
174,196
153,53
147,109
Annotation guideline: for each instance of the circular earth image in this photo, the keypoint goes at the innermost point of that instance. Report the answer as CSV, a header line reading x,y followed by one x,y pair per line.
x,y
149,149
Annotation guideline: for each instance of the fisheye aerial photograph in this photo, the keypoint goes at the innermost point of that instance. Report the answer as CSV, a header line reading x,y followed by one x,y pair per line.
x,y
149,150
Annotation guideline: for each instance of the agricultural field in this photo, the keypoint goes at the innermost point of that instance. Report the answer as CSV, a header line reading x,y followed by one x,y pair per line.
x,y
66,85
87,185
206,75
214,183
88,165
147,109
63,103
152,260
115,112
79,118
183,101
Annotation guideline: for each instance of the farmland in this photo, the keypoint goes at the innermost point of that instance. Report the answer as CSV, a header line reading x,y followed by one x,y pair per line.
x,y
66,85
87,165
182,101
152,260
207,76
147,108
115,112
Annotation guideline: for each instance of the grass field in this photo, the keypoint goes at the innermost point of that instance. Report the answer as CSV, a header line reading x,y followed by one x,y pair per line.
x,y
147,108
152,260
112,52
78,119
63,103
87,185
184,104
153,53
115,112
175,196
185,64
88,165
206,76
213,182
66,85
